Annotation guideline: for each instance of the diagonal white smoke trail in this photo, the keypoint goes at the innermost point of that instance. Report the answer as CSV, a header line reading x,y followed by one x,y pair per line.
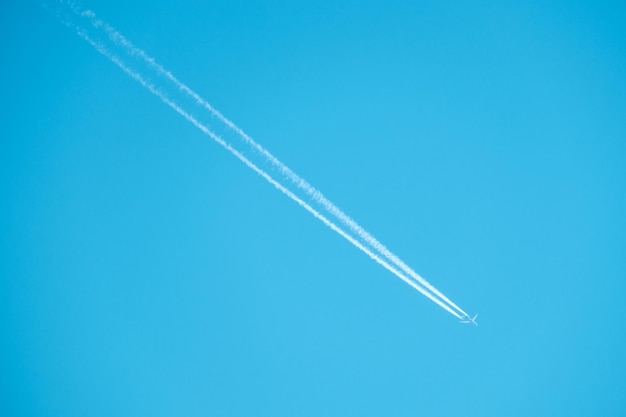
x,y
150,87
301,183
117,38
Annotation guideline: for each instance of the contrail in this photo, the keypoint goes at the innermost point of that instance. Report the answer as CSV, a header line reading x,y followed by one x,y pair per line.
x,y
301,183
119,40
150,87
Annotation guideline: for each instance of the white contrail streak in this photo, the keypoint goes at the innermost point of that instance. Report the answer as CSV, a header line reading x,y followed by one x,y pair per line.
x,y
150,87
301,183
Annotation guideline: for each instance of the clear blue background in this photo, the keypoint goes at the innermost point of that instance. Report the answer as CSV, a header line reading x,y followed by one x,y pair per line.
x,y
145,271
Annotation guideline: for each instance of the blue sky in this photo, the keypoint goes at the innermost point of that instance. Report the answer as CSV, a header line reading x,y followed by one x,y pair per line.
x,y
145,271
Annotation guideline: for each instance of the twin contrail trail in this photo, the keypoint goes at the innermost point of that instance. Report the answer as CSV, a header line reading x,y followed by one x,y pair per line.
x,y
301,183
418,282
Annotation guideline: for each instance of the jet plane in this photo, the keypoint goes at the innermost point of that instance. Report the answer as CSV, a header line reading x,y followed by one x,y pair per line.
x,y
468,319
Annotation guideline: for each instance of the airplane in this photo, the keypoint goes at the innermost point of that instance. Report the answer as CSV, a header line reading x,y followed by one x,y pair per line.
x,y
468,319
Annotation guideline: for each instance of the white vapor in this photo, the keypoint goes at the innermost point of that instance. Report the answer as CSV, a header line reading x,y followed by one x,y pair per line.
x,y
432,293
301,183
